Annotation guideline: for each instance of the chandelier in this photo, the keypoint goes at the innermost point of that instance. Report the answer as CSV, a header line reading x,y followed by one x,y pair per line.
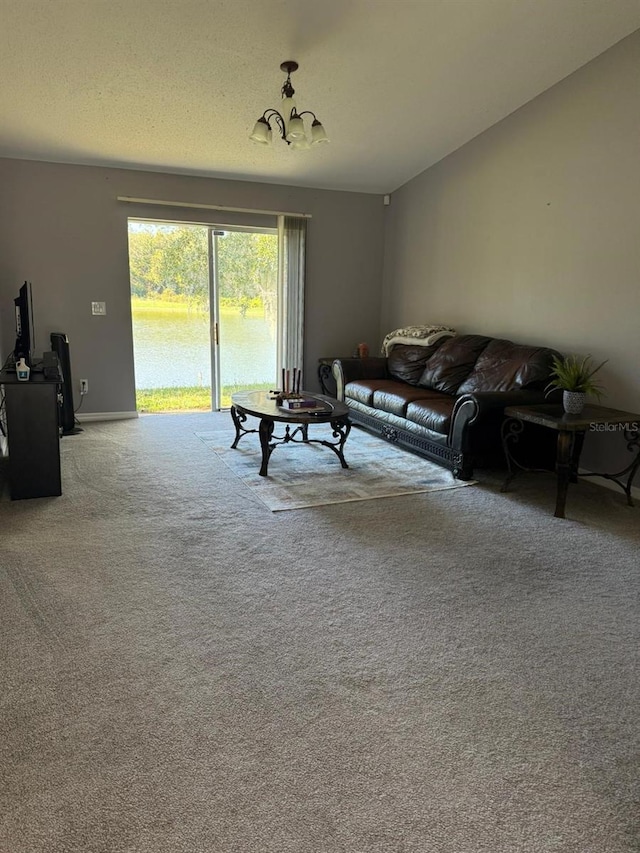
x,y
288,120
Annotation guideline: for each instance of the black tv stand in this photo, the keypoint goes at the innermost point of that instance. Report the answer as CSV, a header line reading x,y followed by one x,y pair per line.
x,y
32,435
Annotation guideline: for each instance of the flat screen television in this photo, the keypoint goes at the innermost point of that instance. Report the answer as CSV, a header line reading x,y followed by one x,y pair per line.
x,y
24,325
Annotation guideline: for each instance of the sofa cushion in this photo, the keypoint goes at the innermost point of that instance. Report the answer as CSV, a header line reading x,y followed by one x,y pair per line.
x,y
406,362
452,362
397,396
363,390
434,414
505,366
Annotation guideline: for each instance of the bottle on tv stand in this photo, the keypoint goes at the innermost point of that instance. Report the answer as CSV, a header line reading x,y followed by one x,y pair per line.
x,y
22,370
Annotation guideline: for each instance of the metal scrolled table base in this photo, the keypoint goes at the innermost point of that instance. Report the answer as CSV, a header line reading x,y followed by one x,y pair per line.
x,y
341,428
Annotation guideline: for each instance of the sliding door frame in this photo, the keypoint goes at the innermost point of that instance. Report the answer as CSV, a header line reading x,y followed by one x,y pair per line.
x,y
214,303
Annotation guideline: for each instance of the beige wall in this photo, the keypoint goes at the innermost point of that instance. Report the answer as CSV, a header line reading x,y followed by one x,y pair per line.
x,y
531,231
62,228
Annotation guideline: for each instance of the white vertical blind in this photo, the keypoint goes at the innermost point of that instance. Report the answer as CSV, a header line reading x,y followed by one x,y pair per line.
x,y
292,233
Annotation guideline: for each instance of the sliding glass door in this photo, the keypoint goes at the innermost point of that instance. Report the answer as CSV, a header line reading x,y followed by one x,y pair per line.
x,y
205,313
244,277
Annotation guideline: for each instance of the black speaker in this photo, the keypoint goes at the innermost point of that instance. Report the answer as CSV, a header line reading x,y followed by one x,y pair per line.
x,y
50,367
60,346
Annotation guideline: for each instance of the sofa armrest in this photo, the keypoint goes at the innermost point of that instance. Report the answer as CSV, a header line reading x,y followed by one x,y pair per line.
x,y
489,405
349,369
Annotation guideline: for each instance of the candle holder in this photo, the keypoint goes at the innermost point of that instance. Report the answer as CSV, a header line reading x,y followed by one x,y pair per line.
x,y
291,382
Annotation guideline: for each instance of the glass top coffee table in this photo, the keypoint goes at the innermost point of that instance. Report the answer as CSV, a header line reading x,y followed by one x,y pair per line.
x,y
259,404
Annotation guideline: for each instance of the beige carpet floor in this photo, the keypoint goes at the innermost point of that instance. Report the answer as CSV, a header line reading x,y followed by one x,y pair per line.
x,y
183,671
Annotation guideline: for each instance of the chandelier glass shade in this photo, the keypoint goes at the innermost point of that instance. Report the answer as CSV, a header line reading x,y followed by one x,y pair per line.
x,y
287,121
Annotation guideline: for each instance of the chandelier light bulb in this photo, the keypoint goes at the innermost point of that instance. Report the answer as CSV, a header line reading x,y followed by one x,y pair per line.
x,y
296,129
287,109
261,132
318,133
289,122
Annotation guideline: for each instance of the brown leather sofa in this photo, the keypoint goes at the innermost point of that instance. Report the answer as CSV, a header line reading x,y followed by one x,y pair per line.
x,y
445,401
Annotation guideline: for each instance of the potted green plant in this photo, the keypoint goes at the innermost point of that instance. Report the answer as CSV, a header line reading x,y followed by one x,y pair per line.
x,y
574,377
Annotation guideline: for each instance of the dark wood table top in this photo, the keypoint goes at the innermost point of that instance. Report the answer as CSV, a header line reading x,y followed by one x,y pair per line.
x,y
10,377
552,415
257,403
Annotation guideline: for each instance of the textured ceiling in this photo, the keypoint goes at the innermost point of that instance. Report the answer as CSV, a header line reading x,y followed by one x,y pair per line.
x,y
176,85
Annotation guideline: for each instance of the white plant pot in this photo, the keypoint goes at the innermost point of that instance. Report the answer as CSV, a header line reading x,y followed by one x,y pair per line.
x,y
573,401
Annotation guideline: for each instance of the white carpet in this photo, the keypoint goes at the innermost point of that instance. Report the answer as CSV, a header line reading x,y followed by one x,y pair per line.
x,y
303,475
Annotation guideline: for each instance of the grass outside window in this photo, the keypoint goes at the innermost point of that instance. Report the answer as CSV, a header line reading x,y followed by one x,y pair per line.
x,y
191,398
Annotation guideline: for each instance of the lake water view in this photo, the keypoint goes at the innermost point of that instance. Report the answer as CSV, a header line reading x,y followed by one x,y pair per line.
x,y
172,346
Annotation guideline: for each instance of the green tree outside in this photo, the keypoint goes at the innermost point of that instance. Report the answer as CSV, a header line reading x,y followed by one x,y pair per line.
x,y
171,262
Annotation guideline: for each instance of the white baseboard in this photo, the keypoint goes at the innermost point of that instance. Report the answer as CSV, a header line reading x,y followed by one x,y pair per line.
x,y
609,484
105,416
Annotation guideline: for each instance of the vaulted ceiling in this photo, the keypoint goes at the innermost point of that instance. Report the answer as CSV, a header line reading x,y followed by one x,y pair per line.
x,y
176,85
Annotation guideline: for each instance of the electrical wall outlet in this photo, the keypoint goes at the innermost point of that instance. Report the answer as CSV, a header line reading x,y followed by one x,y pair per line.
x,y
84,387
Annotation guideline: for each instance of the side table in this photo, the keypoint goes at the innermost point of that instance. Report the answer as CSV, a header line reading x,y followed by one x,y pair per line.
x,y
571,431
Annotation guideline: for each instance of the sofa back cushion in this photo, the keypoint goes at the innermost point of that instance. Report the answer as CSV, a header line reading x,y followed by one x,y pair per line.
x,y
505,366
453,361
406,362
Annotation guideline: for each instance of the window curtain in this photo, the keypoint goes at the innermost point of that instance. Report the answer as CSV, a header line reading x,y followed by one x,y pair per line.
x,y
292,235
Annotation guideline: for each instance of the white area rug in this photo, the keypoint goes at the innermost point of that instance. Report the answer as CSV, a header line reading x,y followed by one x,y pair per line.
x,y
303,475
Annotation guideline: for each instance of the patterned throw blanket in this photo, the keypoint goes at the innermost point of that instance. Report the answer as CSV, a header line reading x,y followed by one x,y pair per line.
x,y
417,335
